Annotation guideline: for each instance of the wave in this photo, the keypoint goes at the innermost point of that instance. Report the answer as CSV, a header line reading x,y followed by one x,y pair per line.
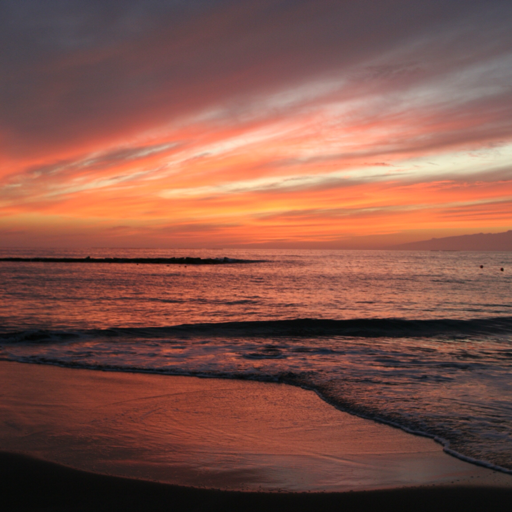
x,y
297,328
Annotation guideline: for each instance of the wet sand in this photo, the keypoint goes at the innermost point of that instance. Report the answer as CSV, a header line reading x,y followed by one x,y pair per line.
x,y
227,436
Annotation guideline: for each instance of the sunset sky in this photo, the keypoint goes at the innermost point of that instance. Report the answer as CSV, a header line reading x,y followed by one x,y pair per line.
x,y
218,123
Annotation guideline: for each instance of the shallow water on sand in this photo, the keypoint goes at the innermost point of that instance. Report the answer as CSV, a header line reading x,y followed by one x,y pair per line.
x,y
224,434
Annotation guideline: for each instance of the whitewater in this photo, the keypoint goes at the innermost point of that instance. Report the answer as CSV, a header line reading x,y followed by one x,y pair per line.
x,y
419,340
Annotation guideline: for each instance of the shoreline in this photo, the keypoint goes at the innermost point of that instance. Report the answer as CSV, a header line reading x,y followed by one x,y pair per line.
x,y
445,445
159,438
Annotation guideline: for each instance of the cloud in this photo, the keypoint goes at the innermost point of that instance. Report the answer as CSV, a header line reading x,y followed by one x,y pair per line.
x,y
167,113
78,71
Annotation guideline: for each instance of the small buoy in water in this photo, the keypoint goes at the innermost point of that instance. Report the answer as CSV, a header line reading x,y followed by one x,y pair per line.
x,y
501,269
481,266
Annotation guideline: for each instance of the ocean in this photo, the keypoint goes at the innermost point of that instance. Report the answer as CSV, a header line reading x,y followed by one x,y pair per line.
x,y
418,340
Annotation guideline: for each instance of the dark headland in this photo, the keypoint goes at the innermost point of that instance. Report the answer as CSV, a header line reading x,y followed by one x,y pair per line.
x,y
477,242
147,261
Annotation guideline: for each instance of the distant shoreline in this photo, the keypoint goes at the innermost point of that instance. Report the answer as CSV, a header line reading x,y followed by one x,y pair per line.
x,y
146,261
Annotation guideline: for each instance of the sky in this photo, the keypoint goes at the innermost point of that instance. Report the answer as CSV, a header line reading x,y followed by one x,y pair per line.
x,y
253,123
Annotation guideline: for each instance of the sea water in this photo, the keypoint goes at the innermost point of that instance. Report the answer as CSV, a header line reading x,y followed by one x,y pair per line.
x,y
420,340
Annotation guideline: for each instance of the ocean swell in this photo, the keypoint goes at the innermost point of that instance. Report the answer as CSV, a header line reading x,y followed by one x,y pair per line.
x,y
299,327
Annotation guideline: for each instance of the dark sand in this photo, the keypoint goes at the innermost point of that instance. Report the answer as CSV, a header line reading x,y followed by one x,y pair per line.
x,y
228,435
32,485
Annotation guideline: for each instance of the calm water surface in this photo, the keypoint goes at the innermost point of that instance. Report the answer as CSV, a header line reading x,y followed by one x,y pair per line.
x,y
422,340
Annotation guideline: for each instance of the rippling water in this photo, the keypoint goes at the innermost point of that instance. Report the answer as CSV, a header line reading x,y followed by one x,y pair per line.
x,y
422,340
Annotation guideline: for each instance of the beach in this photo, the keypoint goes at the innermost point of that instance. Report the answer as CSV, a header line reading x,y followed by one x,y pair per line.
x,y
87,440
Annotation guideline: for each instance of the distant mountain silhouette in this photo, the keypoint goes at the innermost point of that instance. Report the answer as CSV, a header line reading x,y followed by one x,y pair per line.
x,y
479,242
